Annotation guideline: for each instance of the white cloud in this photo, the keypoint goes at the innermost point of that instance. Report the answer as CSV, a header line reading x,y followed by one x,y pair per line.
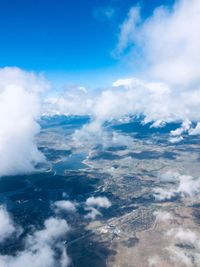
x,y
94,203
19,111
179,255
93,213
187,254
39,247
103,13
128,97
158,102
184,128
162,216
7,227
196,130
128,29
176,135
101,202
169,176
53,229
185,186
64,205
161,194
185,235
168,42
175,140
188,185
75,100
153,261
168,45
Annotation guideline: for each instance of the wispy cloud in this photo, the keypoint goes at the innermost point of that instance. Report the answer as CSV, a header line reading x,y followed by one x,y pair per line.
x,y
103,13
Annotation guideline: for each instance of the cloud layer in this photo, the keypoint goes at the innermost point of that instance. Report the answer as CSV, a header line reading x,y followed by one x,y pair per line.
x,y
167,42
167,46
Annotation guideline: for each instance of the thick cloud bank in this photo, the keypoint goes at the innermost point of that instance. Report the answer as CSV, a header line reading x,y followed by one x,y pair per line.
x,y
76,100
19,110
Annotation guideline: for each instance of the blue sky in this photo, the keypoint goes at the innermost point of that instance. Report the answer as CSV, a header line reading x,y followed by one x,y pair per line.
x,y
67,40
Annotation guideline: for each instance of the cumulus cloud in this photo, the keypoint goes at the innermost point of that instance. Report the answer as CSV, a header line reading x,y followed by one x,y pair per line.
x,y
179,255
102,202
175,140
161,194
185,186
53,229
90,134
168,45
176,135
153,261
162,216
128,97
7,227
183,248
95,203
39,247
196,130
168,41
156,101
64,205
185,235
169,176
19,111
93,213
185,127
188,185
125,97
74,100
